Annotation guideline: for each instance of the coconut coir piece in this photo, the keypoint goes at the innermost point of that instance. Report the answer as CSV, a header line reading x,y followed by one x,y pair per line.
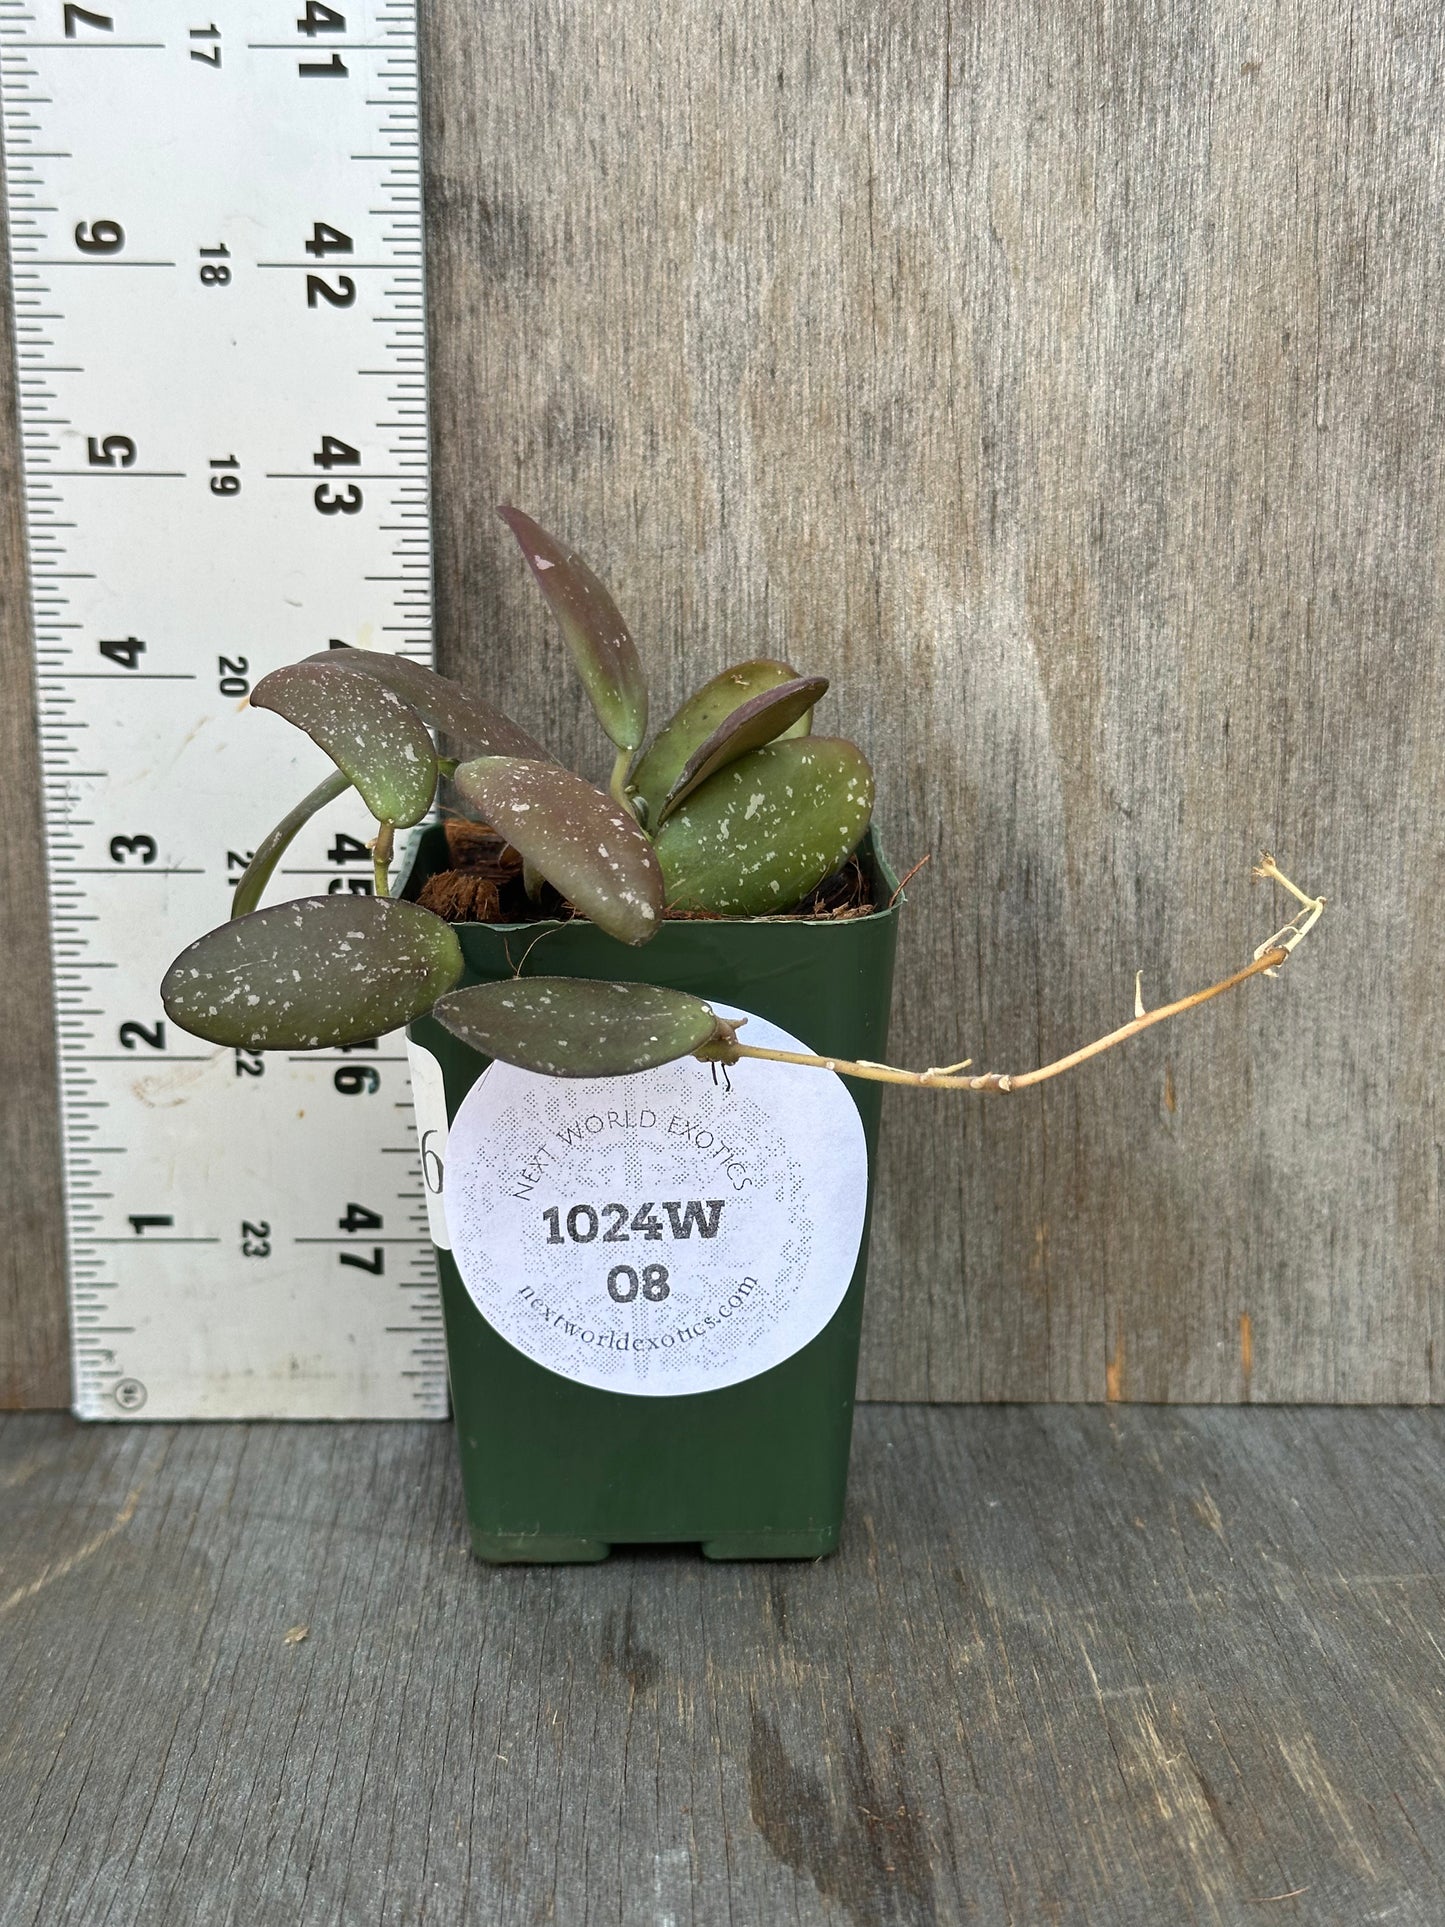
x,y
457,896
477,848
484,885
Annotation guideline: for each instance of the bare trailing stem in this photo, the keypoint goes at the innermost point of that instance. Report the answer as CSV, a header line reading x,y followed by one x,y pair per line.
x,y
1273,952
1298,928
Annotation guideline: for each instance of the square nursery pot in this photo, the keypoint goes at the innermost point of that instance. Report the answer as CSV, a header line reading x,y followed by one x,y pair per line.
x,y
653,1285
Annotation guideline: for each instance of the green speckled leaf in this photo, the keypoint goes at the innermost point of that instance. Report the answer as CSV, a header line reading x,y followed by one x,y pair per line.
x,y
685,733
762,832
474,726
378,740
316,972
569,1027
594,631
583,843
755,722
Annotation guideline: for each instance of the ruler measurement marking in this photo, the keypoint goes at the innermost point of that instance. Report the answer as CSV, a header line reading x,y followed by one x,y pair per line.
x,y
353,1242
118,1382
167,1057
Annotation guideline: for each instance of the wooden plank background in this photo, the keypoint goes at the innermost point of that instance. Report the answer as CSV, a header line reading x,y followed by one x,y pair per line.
x,y
1067,384
1070,1668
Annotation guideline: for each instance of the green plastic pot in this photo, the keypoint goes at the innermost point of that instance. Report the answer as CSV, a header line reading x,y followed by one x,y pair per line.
x,y
556,1471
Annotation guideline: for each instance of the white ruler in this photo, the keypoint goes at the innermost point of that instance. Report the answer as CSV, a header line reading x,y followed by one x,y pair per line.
x,y
217,256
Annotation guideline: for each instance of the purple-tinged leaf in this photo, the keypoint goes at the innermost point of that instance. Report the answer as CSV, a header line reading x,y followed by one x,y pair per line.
x,y
476,727
683,734
572,1027
768,828
378,740
583,843
594,631
317,972
759,720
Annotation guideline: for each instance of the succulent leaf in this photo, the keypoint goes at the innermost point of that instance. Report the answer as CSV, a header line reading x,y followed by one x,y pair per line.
x,y
473,725
316,972
592,627
685,733
378,740
759,720
764,831
571,1027
583,843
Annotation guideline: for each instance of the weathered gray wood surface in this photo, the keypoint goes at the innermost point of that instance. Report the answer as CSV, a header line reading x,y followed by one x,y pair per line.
x,y
1094,1668
1066,384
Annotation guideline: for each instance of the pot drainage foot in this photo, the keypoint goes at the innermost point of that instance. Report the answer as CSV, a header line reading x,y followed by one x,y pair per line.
x,y
812,1543
537,1549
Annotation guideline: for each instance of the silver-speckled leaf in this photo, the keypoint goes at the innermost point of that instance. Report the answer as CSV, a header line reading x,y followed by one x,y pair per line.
x,y
594,631
583,843
316,972
569,1027
376,738
685,733
759,720
767,829
475,727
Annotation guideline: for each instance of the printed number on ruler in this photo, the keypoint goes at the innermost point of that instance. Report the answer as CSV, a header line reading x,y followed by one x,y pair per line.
x,y
217,261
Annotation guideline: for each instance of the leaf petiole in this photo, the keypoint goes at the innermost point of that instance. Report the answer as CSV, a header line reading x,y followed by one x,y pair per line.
x,y
381,851
617,788
257,873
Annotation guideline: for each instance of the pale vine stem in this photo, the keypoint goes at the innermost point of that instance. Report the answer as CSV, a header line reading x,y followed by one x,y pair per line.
x,y
1273,952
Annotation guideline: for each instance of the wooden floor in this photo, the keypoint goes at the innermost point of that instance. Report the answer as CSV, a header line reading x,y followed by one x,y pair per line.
x,y
1108,1665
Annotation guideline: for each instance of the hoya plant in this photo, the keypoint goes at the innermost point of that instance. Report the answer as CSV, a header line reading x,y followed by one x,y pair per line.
x,y
734,808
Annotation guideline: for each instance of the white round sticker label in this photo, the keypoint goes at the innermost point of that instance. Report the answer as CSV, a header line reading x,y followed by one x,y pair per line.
x,y
672,1232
